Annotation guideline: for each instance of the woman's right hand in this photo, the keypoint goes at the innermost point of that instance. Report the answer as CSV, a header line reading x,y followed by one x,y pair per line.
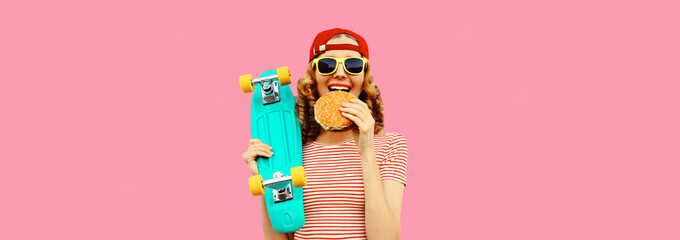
x,y
256,148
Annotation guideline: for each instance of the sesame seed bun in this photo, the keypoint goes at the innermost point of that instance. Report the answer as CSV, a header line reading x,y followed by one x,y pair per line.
x,y
327,111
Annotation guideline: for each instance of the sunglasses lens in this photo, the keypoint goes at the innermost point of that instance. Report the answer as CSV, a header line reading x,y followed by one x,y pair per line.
x,y
354,65
326,65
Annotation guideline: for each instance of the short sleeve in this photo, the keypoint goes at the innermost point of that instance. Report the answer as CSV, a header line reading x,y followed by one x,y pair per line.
x,y
394,165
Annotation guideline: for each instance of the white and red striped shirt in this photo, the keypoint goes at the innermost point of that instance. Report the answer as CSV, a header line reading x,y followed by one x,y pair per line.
x,y
334,195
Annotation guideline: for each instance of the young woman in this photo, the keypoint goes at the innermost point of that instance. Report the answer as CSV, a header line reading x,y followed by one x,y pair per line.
x,y
356,177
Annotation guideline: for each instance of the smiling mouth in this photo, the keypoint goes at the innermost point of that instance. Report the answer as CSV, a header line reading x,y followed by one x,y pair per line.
x,y
338,88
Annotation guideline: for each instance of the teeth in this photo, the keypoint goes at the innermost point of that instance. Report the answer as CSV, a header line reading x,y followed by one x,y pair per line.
x,y
338,88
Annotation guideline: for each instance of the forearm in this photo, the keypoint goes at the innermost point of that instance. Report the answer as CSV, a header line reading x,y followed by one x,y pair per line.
x,y
267,228
381,221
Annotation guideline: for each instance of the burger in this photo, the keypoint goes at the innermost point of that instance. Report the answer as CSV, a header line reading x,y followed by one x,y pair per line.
x,y
327,111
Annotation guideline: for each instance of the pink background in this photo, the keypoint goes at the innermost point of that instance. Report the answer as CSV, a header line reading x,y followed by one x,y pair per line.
x,y
525,119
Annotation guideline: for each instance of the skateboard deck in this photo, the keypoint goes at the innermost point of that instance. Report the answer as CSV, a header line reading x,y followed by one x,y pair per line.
x,y
273,121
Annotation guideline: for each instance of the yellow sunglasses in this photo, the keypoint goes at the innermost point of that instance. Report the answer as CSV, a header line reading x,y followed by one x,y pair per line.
x,y
352,65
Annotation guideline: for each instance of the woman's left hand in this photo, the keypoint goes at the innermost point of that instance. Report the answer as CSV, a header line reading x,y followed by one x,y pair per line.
x,y
357,111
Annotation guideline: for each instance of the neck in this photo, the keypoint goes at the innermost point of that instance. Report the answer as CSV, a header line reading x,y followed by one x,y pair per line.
x,y
328,137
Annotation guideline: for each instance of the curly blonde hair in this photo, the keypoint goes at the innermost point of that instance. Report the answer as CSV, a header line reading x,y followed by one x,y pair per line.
x,y
308,94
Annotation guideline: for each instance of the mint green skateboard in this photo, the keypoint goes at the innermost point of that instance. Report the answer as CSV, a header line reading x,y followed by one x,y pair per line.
x,y
273,121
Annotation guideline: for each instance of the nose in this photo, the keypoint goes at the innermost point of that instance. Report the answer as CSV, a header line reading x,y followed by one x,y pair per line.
x,y
340,72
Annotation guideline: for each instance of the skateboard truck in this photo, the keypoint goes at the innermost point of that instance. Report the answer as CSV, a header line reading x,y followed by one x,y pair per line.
x,y
270,87
282,191
280,194
283,194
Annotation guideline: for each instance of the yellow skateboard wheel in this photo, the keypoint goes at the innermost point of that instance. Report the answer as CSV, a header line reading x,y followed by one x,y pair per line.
x,y
255,183
298,175
284,75
244,80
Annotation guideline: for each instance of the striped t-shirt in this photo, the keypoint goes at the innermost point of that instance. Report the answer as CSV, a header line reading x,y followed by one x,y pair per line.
x,y
334,195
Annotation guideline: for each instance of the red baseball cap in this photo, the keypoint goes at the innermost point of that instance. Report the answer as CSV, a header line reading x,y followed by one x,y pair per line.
x,y
319,45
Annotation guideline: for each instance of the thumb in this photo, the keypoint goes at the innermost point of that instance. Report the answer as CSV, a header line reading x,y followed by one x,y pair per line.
x,y
355,134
